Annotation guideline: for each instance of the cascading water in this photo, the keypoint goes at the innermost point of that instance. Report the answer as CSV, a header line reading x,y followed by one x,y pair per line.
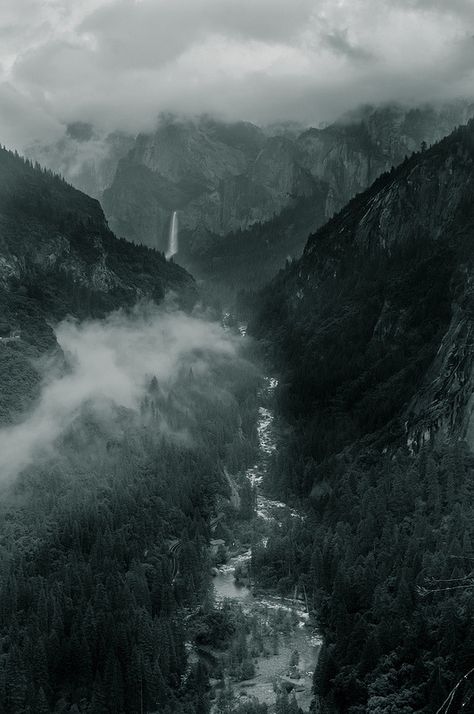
x,y
173,238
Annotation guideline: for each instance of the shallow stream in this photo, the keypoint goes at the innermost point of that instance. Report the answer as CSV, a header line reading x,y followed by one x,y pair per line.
x,y
273,668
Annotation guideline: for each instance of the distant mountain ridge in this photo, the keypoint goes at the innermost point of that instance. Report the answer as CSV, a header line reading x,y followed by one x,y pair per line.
x,y
225,178
245,194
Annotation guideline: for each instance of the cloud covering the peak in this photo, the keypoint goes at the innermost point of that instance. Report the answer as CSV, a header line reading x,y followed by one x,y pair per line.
x,y
118,63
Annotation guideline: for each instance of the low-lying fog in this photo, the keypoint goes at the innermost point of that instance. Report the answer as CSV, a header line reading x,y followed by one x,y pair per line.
x,y
108,364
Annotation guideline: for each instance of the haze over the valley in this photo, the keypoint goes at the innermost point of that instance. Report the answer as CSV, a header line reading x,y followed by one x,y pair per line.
x,y
108,365
118,63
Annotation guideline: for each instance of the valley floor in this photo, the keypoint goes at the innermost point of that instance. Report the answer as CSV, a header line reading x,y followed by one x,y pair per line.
x,y
284,624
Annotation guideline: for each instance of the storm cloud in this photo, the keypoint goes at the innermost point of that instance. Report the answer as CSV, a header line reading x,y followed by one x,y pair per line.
x,y
118,63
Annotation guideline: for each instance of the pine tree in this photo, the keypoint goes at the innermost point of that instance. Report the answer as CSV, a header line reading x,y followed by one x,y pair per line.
x,y
41,705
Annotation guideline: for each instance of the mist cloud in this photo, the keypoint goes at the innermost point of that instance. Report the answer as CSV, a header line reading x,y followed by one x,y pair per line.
x,y
118,63
109,366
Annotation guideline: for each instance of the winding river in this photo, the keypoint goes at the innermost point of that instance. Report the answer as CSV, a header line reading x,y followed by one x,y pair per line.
x,y
273,669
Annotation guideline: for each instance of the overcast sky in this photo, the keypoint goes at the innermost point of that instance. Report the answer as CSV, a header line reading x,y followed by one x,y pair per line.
x,y
118,63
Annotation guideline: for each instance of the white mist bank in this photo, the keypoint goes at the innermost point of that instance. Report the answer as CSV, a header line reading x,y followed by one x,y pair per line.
x,y
109,364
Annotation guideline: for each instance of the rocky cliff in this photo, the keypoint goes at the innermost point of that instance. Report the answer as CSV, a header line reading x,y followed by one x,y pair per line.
x,y
235,179
264,189
221,178
373,325
349,154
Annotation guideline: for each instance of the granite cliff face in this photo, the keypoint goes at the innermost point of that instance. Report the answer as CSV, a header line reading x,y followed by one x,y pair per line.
x,y
228,179
87,159
349,154
373,325
256,188
221,178
444,405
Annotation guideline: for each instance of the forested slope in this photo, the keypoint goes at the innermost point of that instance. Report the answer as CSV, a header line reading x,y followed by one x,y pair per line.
x,y
104,555
357,321
58,257
371,332
105,525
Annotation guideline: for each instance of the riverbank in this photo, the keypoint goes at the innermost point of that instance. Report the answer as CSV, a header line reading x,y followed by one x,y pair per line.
x,y
277,639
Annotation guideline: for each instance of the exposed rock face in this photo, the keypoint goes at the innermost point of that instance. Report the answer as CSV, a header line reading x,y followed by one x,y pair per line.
x,y
375,321
350,154
221,178
227,178
445,404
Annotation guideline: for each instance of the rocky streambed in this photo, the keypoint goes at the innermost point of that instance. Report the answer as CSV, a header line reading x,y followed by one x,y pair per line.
x,y
287,644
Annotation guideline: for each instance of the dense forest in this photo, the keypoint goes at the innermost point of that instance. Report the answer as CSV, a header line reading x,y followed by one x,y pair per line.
x,y
374,420
104,536
385,557
104,551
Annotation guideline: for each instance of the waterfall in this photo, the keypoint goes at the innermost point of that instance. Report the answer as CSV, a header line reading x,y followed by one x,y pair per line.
x,y
173,238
